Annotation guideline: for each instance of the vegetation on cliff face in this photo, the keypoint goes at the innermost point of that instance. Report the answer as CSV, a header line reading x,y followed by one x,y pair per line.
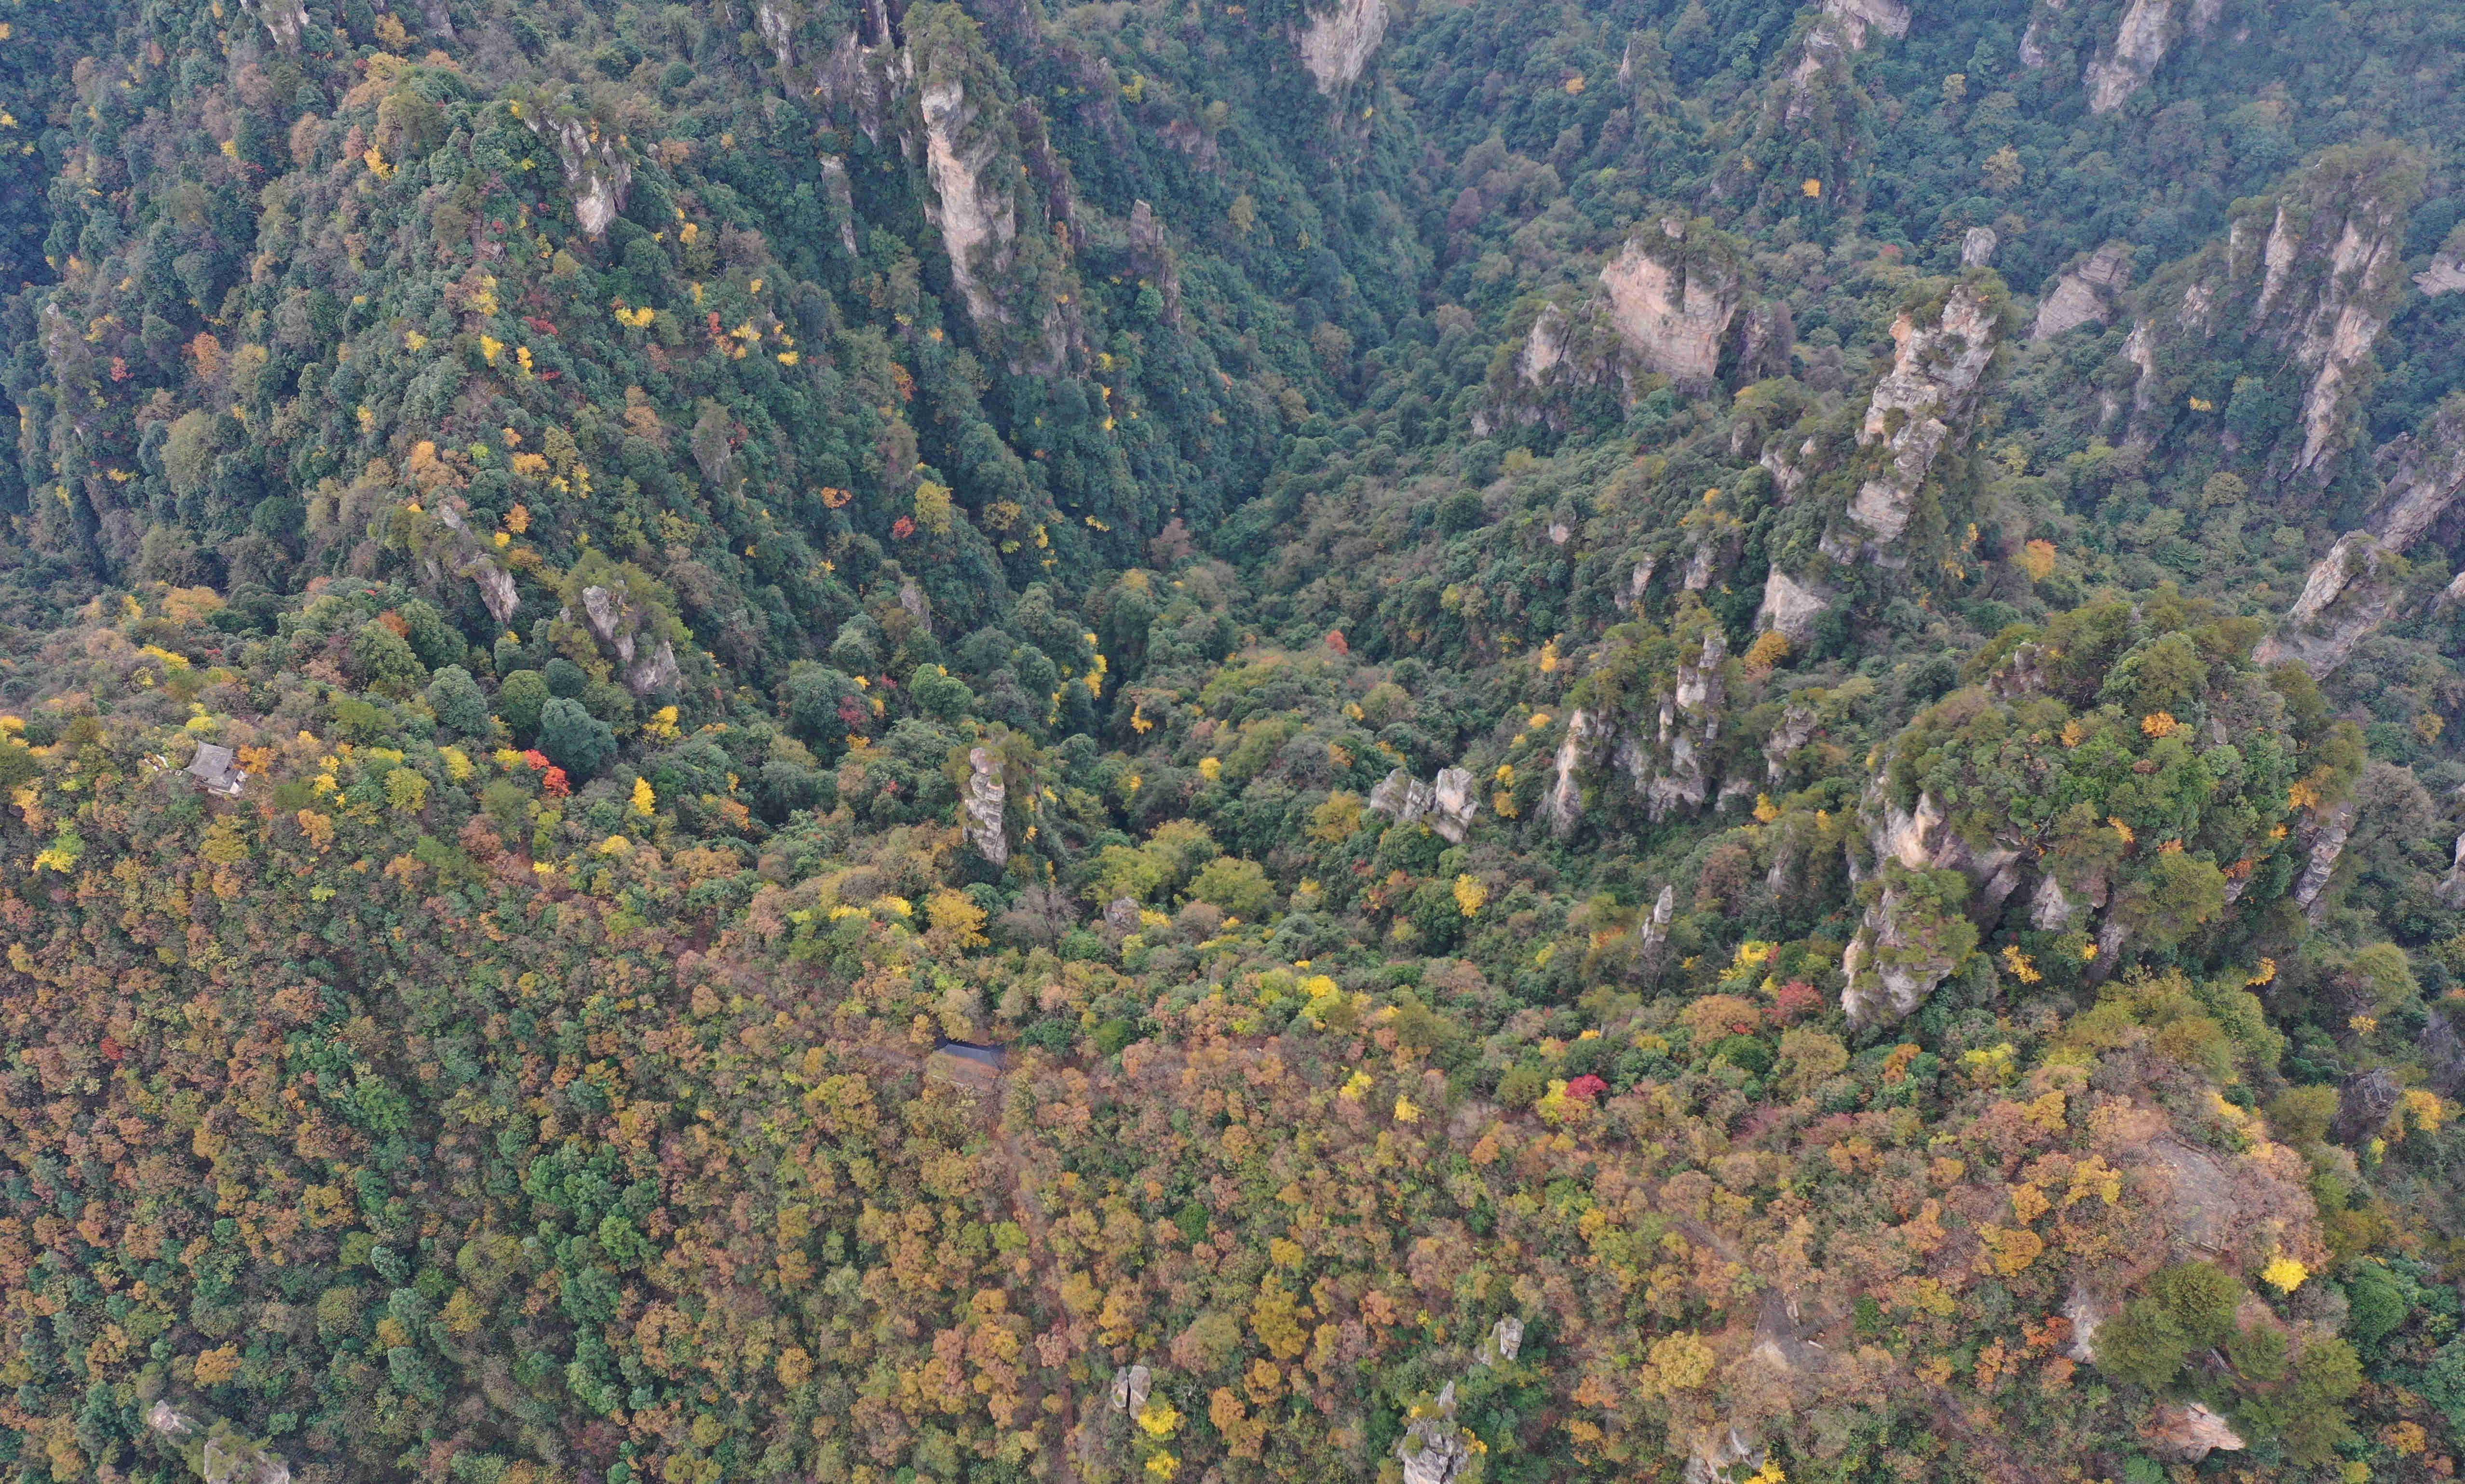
x,y
1671,740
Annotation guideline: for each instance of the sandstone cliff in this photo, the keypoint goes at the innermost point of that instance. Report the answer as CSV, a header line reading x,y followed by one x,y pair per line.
x,y
1918,407
2352,590
1336,44
1674,292
597,168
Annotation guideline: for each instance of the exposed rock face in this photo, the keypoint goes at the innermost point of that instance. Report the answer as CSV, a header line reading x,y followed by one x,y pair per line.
x,y
2423,473
978,225
1896,960
1664,909
1930,389
1454,805
2345,597
983,806
1724,1453
2445,275
1562,807
2086,1314
1671,305
596,172
1505,1342
468,556
1447,802
1338,43
1433,1450
2084,294
777,29
286,20
2363,1104
1977,249
2188,1434
1680,767
2329,271
2328,836
1546,347
1891,17
617,625
2443,1055
2146,34
1792,608
1132,1386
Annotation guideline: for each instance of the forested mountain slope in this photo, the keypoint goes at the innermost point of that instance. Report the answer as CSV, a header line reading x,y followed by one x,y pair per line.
x,y
1670,741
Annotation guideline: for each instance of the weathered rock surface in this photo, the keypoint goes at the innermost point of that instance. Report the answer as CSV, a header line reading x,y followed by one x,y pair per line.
x,y
978,224
1447,802
1505,1342
1977,248
2086,293
1132,1386
2363,1103
597,175
2146,34
285,20
1672,304
1928,393
2187,1434
1792,608
983,806
1432,1449
1721,1455
2345,597
1338,43
1562,807
1891,17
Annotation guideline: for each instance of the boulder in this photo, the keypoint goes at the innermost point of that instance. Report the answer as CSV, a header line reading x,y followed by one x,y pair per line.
x,y
1132,1384
1977,248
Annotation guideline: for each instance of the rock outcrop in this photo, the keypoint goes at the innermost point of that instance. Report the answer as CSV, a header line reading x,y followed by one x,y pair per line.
x,y
1433,1450
2086,293
462,553
2329,272
1723,1453
598,173
1562,807
1132,1386
2445,275
2363,1103
978,224
1891,17
2346,597
1977,248
1506,1341
2146,34
983,806
1672,296
1445,802
1916,409
647,662
1912,937
1336,44
2187,1434
287,20
1791,609
2349,593
1676,774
